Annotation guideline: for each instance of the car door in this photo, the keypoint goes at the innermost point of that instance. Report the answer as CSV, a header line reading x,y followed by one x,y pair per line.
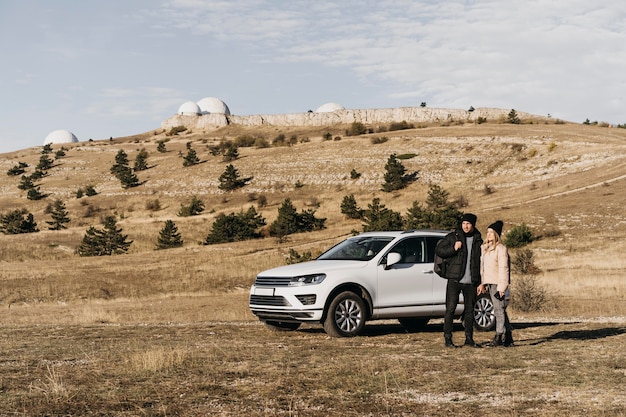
x,y
405,289
439,284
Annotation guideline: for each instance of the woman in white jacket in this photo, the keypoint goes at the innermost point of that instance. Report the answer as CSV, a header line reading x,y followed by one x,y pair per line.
x,y
495,279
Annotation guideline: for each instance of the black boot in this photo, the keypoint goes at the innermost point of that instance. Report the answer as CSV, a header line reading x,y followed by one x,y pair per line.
x,y
448,339
469,341
508,339
497,341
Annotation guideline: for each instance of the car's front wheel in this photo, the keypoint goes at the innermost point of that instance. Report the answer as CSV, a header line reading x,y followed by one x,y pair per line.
x,y
282,326
345,316
484,319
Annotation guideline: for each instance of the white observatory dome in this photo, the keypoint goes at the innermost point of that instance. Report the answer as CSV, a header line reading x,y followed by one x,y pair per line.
x,y
329,107
60,136
213,105
189,108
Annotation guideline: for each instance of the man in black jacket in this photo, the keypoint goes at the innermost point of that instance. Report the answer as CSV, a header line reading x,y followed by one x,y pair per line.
x,y
461,252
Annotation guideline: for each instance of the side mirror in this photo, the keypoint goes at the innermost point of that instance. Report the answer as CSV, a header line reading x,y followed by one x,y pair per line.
x,y
392,259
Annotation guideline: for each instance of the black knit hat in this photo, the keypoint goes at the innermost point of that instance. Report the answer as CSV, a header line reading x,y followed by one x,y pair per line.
x,y
496,227
469,217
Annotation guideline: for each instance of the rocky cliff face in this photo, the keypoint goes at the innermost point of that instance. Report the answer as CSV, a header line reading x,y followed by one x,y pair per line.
x,y
343,117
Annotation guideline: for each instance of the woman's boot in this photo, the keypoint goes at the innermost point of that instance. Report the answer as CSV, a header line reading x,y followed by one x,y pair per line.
x,y
508,339
497,340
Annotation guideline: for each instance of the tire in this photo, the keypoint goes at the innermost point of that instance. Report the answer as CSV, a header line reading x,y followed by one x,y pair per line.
x,y
345,316
484,319
414,324
282,326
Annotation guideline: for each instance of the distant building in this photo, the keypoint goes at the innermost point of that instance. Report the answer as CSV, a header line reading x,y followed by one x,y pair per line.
x,y
60,136
189,108
329,107
210,105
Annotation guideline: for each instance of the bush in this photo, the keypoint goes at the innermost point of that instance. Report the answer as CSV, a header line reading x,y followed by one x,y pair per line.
x,y
289,221
528,295
523,262
519,236
295,257
195,207
356,129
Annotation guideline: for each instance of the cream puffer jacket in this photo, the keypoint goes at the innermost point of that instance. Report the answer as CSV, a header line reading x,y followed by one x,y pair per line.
x,y
495,267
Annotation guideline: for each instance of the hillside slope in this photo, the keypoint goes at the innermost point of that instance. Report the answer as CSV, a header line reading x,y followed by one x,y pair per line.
x,y
555,177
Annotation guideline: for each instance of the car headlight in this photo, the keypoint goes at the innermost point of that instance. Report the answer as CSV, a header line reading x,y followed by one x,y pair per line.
x,y
307,280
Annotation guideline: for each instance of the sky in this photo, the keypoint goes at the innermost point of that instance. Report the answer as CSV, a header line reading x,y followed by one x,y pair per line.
x,y
115,68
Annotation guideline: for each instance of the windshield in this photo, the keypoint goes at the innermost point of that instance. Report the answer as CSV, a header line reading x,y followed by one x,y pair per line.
x,y
356,249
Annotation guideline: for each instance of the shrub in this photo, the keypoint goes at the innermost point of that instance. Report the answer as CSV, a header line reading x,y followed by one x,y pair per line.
x,y
195,207
528,295
295,257
354,174
520,235
513,118
523,262
376,140
356,129
153,205
401,126
18,169
175,130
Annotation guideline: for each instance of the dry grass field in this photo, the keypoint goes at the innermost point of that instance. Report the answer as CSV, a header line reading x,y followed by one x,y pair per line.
x,y
168,332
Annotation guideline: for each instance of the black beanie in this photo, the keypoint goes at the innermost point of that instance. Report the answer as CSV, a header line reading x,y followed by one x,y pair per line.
x,y
497,227
469,217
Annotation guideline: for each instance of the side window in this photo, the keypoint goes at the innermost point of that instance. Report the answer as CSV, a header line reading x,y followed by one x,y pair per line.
x,y
431,242
412,250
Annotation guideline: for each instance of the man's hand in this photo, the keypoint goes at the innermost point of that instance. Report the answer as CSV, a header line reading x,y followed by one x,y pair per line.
x,y
458,245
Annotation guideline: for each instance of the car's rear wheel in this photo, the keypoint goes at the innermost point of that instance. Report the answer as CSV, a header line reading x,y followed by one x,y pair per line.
x,y
345,316
282,326
484,319
414,324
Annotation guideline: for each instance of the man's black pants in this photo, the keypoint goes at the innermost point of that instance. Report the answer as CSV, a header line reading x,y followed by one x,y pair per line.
x,y
453,290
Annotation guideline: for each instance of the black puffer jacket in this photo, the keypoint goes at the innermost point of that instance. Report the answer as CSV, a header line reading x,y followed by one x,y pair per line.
x,y
456,260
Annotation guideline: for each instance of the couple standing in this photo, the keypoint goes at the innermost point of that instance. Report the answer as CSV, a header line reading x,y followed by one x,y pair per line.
x,y
475,267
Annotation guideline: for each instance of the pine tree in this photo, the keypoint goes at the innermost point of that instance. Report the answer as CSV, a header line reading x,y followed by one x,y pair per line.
x,y
18,169
47,148
45,163
141,162
416,217
127,177
289,221
18,221
235,227
106,241
437,197
350,208
395,177
35,194
161,147
169,236
59,216
191,158
121,163
229,180
377,217
26,183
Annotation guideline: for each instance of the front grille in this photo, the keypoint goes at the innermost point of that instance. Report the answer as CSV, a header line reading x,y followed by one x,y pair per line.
x,y
273,281
306,300
269,300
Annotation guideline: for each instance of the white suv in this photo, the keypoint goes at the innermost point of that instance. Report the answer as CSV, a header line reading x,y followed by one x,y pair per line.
x,y
372,276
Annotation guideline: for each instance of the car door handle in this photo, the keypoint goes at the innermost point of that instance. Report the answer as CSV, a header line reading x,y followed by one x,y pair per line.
x,y
428,272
